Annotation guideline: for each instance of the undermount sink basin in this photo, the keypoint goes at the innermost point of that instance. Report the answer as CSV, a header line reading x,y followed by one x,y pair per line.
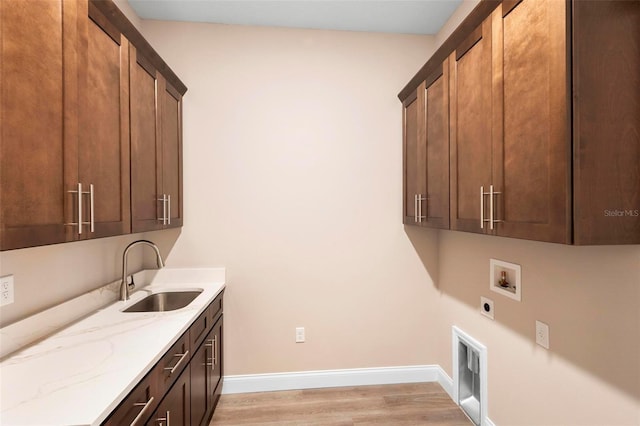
x,y
165,301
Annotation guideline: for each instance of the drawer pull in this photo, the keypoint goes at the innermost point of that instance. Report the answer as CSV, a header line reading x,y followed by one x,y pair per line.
x,y
145,406
213,344
167,419
175,367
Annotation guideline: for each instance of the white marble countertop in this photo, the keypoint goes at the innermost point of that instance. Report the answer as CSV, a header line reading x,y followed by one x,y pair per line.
x,y
78,375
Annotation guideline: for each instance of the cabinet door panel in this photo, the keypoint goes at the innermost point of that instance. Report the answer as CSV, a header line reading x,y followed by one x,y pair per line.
x,y
470,129
606,122
530,115
199,384
32,108
172,150
175,408
146,158
103,143
437,144
414,155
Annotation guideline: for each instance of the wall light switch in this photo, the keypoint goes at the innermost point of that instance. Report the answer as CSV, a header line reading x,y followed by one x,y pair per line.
x,y
542,334
299,334
6,290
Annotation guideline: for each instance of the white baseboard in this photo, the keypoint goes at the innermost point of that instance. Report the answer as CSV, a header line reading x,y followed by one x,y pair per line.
x,y
248,383
330,378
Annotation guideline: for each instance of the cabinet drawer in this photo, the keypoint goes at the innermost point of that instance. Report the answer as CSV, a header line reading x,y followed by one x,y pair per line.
x,y
138,406
216,306
203,325
200,328
173,362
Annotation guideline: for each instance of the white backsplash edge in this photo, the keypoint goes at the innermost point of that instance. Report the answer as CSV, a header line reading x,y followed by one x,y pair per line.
x,y
27,331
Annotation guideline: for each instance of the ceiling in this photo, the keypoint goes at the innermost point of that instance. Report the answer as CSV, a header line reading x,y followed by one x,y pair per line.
x,y
386,16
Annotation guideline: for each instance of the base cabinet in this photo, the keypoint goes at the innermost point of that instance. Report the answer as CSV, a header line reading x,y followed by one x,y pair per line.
x,y
183,388
206,376
175,408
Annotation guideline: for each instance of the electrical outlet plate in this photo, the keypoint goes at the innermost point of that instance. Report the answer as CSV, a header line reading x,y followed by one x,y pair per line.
x,y
486,307
542,334
513,289
6,290
299,334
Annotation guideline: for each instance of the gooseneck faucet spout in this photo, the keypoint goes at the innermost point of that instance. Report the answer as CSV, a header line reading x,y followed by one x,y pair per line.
x,y
124,286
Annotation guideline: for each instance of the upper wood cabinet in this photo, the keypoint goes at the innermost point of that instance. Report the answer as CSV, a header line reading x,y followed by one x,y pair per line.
x,y
544,121
156,148
32,103
470,128
510,153
66,101
426,152
103,126
65,161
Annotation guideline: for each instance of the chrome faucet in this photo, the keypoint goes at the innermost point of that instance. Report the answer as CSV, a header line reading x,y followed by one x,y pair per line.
x,y
124,286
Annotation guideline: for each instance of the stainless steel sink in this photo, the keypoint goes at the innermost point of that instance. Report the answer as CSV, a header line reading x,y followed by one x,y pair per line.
x,y
165,301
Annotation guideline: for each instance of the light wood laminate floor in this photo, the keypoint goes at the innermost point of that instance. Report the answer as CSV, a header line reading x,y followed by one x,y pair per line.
x,y
406,404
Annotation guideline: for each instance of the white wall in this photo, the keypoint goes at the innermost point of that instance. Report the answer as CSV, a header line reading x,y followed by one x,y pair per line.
x,y
589,296
46,276
293,182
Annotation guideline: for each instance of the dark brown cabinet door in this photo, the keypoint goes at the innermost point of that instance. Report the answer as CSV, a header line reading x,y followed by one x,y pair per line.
x,y
156,148
103,125
32,105
470,128
217,365
436,204
414,156
171,121
206,376
531,144
146,158
606,114
175,408
200,384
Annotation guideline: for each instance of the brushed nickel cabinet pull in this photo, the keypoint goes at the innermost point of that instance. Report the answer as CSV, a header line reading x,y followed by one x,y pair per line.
x,y
166,418
92,220
169,209
79,206
145,406
492,219
175,367
482,207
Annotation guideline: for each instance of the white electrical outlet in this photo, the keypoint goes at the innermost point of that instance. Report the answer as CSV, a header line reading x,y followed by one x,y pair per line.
x,y
542,334
299,334
6,290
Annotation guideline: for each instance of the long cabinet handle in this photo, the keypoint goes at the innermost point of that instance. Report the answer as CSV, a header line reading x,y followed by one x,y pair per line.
x,y
415,208
92,220
481,207
169,209
145,406
166,418
212,343
79,206
175,367
492,219
163,219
